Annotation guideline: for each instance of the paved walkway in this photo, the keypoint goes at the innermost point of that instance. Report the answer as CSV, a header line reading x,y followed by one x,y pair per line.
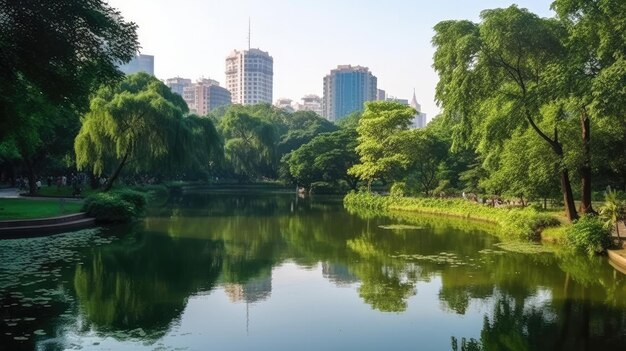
x,y
9,193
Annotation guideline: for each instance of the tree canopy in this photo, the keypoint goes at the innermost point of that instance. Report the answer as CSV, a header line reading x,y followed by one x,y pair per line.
x,y
63,50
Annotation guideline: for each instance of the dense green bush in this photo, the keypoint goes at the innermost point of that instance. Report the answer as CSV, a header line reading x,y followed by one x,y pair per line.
x,y
398,189
517,223
109,208
588,234
137,199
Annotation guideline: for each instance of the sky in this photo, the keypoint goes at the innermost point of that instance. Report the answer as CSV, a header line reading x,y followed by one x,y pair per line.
x,y
306,38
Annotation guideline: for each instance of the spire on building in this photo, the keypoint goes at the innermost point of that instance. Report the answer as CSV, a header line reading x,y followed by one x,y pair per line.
x,y
414,103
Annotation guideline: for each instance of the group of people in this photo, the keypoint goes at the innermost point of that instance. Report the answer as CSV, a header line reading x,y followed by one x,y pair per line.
x,y
76,181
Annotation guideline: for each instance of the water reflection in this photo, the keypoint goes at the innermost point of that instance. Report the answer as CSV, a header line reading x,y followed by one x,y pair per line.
x,y
133,285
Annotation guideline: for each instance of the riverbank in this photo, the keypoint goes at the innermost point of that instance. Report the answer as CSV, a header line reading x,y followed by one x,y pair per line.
x,y
515,223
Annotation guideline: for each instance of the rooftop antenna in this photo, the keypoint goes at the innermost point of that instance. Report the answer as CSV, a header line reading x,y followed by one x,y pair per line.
x,y
249,35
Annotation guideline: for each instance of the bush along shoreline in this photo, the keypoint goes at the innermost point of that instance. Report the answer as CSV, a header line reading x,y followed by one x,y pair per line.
x,y
515,223
116,206
589,234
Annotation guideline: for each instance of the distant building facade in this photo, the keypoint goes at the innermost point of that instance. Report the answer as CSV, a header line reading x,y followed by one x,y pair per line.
x,y
178,84
140,63
346,89
250,77
419,120
381,95
400,101
205,95
311,103
285,104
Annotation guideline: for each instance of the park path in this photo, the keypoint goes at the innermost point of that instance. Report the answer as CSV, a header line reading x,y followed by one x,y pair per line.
x,y
9,193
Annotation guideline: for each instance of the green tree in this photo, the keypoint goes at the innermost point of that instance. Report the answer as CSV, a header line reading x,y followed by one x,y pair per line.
x,y
383,135
44,134
250,143
302,127
497,76
594,71
524,168
136,122
61,50
427,156
325,158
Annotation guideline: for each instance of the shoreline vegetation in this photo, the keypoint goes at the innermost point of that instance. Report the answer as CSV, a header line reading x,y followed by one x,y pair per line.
x,y
589,234
515,223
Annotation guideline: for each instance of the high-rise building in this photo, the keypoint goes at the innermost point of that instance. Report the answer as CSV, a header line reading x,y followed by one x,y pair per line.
x,y
205,95
419,120
381,95
178,84
346,89
140,63
311,103
250,76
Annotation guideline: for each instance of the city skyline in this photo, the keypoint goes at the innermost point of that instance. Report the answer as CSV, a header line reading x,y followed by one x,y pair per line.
x,y
191,38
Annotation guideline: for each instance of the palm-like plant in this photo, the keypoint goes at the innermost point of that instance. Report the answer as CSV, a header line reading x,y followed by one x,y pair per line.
x,y
613,211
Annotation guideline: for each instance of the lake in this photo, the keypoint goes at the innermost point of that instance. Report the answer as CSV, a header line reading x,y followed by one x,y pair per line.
x,y
271,271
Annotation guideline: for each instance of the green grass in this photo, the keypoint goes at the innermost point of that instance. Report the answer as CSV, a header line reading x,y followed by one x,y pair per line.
x,y
29,208
64,191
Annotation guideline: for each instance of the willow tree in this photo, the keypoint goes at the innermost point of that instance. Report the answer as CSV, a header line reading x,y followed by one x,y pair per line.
x,y
499,77
383,141
250,143
133,123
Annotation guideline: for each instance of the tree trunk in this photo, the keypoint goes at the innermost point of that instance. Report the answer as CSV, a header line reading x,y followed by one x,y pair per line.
x,y
568,196
94,181
566,186
109,183
585,169
32,178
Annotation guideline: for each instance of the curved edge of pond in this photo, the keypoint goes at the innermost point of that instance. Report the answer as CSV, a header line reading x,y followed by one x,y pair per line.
x,y
617,260
26,228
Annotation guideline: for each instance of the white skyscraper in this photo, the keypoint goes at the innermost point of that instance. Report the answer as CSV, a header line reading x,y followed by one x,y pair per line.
x,y
419,121
250,76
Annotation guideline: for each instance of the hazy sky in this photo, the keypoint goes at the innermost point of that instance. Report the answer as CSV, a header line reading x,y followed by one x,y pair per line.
x,y
307,38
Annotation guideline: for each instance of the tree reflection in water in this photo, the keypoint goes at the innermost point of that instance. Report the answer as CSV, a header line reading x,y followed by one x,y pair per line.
x,y
540,301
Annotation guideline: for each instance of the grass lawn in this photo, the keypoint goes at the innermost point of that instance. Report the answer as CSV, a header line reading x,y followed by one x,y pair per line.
x,y
28,208
64,191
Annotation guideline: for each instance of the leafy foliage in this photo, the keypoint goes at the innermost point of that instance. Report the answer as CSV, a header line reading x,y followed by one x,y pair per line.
x,y
384,141
62,50
525,224
326,157
589,235
109,208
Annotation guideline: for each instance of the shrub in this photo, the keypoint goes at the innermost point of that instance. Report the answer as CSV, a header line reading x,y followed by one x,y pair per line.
x,y
398,189
588,234
515,223
137,199
109,208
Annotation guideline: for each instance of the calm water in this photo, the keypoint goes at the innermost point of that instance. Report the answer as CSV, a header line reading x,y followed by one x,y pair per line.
x,y
272,272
